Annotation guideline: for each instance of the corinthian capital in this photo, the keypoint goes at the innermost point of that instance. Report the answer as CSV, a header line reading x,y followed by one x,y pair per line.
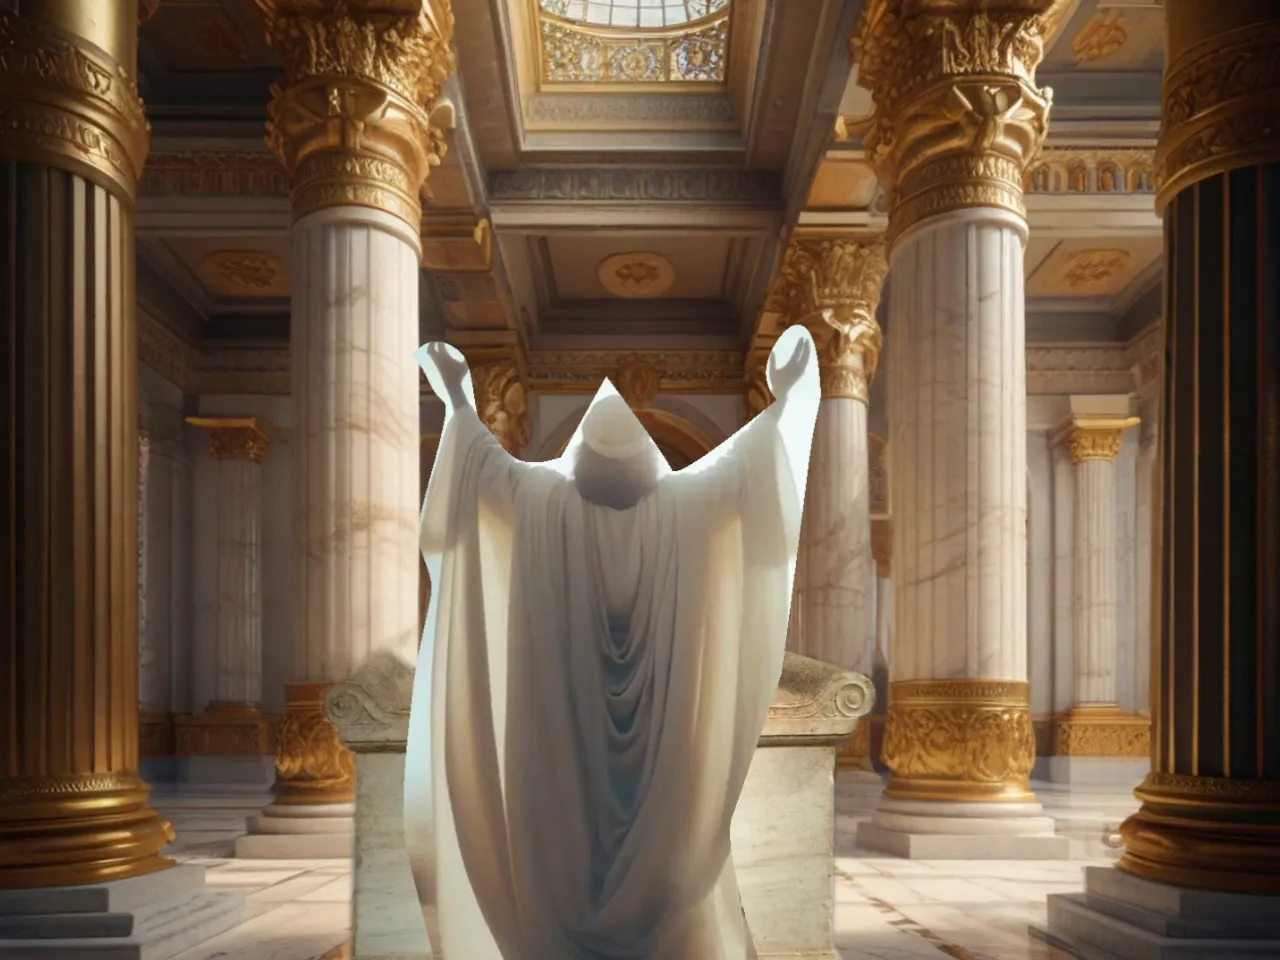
x,y
958,116
352,123
832,286
502,400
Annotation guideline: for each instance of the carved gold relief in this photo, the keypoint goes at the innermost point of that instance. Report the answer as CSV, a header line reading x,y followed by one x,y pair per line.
x,y
233,438
832,286
312,765
226,730
637,382
1091,270
1091,171
1104,35
583,53
64,102
225,173
958,117
636,275
959,740
352,123
245,272
1221,104
681,371
502,401
1104,732
1095,438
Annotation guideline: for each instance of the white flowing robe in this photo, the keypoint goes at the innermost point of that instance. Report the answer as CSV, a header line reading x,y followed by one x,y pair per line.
x,y
590,690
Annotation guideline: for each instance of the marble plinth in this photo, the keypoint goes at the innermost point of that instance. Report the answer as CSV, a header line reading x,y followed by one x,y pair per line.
x,y
947,830
371,714
784,827
300,832
1098,771
1122,917
152,917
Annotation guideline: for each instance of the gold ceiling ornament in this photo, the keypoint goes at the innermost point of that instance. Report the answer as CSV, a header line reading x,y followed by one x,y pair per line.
x,y
1095,438
244,271
1094,270
636,276
966,740
233,438
502,400
637,381
353,123
1104,35
1221,103
66,103
1210,833
958,117
219,38
312,765
832,285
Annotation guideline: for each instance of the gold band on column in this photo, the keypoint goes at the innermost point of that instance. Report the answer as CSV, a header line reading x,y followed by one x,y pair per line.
x,y
351,124
966,740
831,284
312,765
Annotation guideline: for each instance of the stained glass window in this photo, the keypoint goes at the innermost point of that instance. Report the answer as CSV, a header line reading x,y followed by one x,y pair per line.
x,y
633,41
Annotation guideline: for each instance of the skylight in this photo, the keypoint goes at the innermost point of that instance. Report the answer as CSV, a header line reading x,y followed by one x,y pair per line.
x,y
634,14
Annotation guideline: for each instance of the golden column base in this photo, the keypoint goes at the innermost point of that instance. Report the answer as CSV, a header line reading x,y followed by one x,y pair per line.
x,y
963,740
1205,832
77,829
855,753
312,765
1101,731
226,730
155,733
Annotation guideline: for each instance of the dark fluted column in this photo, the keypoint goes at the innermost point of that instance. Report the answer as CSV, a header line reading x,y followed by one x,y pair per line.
x,y
1210,816
72,807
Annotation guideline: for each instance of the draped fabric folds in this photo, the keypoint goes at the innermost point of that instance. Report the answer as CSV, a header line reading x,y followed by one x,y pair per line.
x,y
573,768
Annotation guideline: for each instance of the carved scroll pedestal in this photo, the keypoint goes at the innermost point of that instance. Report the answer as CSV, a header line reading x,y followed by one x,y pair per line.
x,y
371,714
784,829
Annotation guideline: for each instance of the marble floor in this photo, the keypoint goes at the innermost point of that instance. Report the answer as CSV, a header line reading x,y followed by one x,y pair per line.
x,y
886,908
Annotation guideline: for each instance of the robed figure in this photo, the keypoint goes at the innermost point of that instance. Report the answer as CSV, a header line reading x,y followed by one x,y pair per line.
x,y
603,642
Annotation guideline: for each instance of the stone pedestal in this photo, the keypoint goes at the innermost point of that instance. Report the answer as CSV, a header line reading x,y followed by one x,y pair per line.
x,y
371,714
783,830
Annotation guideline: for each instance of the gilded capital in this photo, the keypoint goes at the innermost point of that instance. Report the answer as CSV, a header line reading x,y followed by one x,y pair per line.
x,y
832,285
352,123
502,401
66,101
1095,438
958,116
233,438
759,396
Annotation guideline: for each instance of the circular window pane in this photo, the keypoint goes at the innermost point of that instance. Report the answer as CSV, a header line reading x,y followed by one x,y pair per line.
x,y
634,14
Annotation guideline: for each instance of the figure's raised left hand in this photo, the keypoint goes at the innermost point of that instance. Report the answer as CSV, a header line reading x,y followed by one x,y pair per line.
x,y
447,371
784,374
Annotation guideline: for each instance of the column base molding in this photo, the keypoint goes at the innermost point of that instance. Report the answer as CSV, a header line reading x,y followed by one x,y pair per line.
x,y
151,917
312,764
1103,730
226,730
1121,917
155,733
947,830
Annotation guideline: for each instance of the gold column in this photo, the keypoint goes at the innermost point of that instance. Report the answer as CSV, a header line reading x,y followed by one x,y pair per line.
x,y
958,118
72,807
352,125
1210,816
831,284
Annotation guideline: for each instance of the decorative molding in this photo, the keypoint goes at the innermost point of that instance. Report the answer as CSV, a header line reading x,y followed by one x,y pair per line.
x,y
1092,271
1101,733
213,173
578,53
371,710
638,382
1092,170
689,371
631,109
245,272
634,184
226,731
1102,36
1094,438
233,438
816,703
637,275
1078,368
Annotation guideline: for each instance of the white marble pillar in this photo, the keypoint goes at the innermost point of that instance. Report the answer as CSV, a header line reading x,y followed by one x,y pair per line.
x,y
147,679
1146,558
1094,742
831,284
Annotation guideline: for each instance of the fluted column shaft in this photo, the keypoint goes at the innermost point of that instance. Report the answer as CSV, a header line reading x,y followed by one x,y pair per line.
x,y
1210,816
1095,582
72,807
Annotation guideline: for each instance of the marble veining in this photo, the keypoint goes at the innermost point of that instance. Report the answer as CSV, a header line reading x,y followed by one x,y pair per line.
x,y
1095,581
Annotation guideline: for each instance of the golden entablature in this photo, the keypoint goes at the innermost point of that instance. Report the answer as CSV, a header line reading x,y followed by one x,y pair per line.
x,y
1101,170
625,42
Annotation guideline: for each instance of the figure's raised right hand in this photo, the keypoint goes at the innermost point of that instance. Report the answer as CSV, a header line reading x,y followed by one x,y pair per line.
x,y
447,372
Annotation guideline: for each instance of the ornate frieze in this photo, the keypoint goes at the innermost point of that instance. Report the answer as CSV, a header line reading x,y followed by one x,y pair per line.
x,y
66,103
648,184
688,371
958,117
1085,732
832,285
1091,170
213,173
351,124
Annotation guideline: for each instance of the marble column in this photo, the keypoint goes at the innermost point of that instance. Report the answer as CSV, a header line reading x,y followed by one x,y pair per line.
x,y
957,119
352,126
77,831
1147,525
1200,872
1094,741
831,284
233,727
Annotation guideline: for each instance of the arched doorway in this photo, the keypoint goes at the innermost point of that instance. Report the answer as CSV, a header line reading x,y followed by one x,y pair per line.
x,y
681,442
